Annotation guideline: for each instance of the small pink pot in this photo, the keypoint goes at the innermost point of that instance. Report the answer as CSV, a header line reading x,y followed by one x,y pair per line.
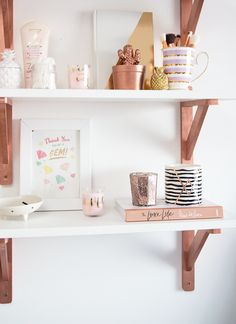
x,y
93,203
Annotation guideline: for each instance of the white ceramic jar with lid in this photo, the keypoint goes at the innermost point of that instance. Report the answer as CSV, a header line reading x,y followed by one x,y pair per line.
x,y
10,71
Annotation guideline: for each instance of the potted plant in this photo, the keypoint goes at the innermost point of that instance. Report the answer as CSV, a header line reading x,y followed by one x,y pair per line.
x,y
128,73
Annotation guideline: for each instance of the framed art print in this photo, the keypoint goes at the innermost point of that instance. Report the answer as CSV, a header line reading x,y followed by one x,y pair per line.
x,y
55,161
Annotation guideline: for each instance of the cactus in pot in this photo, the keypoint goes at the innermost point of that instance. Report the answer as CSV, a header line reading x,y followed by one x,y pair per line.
x,y
127,56
128,73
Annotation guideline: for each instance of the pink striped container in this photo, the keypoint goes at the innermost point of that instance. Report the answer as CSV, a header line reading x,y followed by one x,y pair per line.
x,y
178,64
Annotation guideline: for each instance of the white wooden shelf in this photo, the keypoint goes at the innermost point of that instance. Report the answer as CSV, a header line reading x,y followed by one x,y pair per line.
x,y
97,95
74,223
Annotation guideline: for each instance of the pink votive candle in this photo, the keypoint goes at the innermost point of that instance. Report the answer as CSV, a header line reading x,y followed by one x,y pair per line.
x,y
93,203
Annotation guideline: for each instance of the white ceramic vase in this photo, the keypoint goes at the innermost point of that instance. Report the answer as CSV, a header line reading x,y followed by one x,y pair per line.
x,y
10,71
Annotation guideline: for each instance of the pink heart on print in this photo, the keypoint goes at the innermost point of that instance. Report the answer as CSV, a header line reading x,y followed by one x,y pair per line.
x,y
61,188
73,175
64,166
41,154
46,181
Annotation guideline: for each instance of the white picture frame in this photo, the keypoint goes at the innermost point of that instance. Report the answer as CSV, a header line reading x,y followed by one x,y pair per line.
x,y
55,161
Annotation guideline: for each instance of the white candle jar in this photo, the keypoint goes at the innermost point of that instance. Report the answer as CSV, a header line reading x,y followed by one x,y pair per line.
x,y
179,63
44,74
79,77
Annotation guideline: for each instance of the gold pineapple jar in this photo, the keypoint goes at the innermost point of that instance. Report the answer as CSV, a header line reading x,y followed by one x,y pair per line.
x,y
159,80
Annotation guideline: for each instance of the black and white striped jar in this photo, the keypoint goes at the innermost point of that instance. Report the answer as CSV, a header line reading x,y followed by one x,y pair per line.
x,y
183,184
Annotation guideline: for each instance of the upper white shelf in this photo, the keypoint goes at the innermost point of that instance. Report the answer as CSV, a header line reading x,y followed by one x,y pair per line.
x,y
101,95
74,223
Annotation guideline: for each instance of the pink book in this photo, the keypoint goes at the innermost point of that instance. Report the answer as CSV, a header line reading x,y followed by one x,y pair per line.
x,y
164,212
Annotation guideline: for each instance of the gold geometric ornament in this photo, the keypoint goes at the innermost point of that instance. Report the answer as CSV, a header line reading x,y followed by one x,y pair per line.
x,y
143,39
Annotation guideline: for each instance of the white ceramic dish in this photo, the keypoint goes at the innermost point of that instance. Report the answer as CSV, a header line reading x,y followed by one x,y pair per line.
x,y
19,206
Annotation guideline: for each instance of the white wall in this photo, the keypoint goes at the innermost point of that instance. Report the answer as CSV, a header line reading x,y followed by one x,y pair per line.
x,y
130,278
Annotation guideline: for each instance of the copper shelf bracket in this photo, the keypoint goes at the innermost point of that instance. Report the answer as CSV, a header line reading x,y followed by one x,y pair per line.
x,y
5,141
6,41
190,129
5,271
189,15
6,24
194,124
194,15
192,245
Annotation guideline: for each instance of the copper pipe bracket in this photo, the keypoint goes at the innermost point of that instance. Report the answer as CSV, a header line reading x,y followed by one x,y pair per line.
x,y
6,41
6,24
195,126
5,271
6,172
192,245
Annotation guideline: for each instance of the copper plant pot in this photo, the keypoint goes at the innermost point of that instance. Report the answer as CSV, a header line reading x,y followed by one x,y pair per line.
x,y
129,77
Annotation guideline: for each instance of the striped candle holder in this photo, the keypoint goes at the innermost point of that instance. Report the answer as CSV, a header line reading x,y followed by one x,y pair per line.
x,y
183,184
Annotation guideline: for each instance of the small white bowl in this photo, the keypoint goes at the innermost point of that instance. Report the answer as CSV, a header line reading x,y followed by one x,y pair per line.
x,y
19,206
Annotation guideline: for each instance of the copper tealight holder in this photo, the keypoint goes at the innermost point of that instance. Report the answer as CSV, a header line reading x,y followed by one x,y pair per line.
x,y
143,188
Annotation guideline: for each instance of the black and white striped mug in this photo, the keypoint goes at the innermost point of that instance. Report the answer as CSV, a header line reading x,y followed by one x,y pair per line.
x,y
183,184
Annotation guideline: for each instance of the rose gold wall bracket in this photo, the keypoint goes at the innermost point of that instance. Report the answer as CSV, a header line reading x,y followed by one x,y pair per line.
x,y
192,245
189,15
5,271
192,127
6,41
6,24
5,142
190,130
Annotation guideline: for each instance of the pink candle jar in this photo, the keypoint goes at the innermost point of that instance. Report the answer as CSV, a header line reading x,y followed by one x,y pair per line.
x,y
93,203
79,77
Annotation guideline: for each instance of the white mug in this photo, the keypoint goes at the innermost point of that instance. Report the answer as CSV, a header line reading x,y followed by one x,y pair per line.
x,y
178,63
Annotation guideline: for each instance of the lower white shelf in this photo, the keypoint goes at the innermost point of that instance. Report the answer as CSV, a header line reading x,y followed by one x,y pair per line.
x,y
75,223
